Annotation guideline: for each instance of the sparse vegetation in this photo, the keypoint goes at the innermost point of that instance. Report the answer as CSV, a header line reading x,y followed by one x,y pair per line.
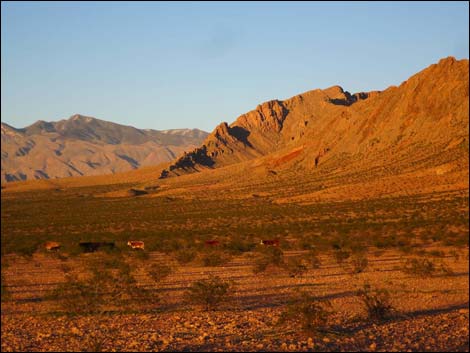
x,y
106,286
159,272
341,255
5,294
214,258
313,259
210,292
307,311
296,266
268,256
359,262
185,256
175,231
425,267
377,302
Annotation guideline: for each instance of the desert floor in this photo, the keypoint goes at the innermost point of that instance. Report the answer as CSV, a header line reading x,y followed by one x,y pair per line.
x,y
431,313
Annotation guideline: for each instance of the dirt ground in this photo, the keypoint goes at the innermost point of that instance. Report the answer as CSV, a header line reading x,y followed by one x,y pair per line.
x,y
431,313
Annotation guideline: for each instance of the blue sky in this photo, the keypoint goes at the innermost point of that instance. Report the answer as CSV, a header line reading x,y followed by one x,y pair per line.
x,y
193,65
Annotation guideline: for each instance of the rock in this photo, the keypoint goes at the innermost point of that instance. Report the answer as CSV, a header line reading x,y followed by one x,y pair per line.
x,y
310,343
76,331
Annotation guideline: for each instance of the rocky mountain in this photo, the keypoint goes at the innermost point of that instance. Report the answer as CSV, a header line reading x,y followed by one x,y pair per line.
x,y
84,145
424,121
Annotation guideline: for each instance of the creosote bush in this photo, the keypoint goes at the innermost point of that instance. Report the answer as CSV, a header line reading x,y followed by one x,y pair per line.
x,y
268,255
425,267
296,266
307,311
185,256
313,259
108,285
5,294
359,263
214,258
341,255
238,245
376,302
159,272
210,292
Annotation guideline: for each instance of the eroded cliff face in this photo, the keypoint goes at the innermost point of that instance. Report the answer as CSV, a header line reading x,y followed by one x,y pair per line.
x,y
427,112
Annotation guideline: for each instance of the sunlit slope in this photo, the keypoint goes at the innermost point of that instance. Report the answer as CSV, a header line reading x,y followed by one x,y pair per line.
x,y
329,144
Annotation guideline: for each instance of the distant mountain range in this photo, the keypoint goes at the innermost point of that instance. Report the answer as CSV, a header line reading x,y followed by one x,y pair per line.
x,y
84,145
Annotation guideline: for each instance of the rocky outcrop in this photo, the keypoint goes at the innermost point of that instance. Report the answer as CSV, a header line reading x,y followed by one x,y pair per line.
x,y
429,110
251,135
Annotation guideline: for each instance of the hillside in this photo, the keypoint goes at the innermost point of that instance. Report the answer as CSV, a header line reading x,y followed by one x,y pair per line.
x,y
323,145
420,120
83,145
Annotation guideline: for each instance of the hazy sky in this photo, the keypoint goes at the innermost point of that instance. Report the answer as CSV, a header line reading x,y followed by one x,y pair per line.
x,y
175,65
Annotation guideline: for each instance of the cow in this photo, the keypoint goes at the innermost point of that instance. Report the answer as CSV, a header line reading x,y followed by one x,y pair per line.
x,y
136,244
273,242
212,242
91,246
52,245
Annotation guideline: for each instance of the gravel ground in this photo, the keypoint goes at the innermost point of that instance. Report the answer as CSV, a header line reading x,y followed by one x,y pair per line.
x,y
431,313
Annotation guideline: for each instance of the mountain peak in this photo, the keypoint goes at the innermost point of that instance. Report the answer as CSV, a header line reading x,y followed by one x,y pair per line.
x,y
446,61
334,91
79,117
325,121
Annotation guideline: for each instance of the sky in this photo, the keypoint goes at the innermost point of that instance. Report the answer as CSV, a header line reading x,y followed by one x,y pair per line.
x,y
165,65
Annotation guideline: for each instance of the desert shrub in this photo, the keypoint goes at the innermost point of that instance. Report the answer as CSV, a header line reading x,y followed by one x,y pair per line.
x,y
209,292
238,245
444,269
159,272
65,268
307,311
359,263
140,254
295,266
305,244
340,255
268,255
437,253
26,249
313,259
109,261
420,267
75,296
214,258
376,302
59,256
185,256
102,289
455,255
5,293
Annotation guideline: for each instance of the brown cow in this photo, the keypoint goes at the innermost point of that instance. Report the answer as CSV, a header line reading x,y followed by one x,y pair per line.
x,y
136,244
273,242
212,242
52,245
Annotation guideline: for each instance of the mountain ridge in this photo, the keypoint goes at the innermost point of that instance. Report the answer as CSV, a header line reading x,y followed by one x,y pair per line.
x,y
82,145
332,121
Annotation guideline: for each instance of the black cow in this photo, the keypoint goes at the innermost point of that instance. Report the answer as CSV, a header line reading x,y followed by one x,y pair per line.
x,y
92,246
